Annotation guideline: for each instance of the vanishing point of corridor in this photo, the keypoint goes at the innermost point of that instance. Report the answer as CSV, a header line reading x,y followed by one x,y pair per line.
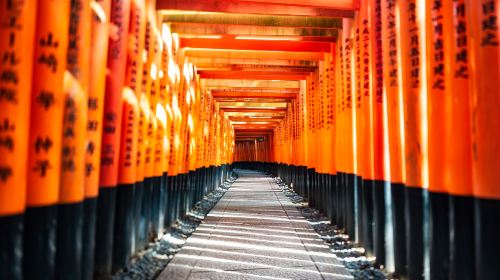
x,y
254,232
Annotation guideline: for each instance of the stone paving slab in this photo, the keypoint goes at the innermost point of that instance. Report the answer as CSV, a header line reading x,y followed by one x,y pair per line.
x,y
254,232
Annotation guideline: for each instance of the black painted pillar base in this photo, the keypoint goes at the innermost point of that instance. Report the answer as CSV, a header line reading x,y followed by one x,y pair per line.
x,y
211,182
350,223
217,176
155,207
149,191
88,237
212,179
139,223
187,192
170,202
462,265
367,209
173,199
329,178
341,203
301,184
487,234
367,214
69,241
177,197
316,190
39,254
182,196
198,184
319,192
106,206
202,182
122,245
191,181
439,235
324,192
297,184
11,247
192,188
414,231
145,221
163,201
327,193
358,186
399,226
310,186
378,194
336,197
298,181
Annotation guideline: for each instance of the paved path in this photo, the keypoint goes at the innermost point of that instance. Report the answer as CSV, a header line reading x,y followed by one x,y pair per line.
x,y
254,232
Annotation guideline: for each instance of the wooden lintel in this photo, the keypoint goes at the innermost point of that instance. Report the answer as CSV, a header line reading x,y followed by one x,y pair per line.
x,y
254,7
268,95
249,75
252,54
229,83
255,110
194,16
188,29
239,119
255,45
205,62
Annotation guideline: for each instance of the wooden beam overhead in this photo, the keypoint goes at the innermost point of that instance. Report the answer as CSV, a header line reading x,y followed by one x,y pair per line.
x,y
257,136
250,19
255,126
255,45
260,37
232,30
202,62
239,94
258,132
263,100
255,68
253,75
248,139
257,90
256,7
345,4
254,110
242,119
253,135
264,71
229,83
266,123
255,114
249,54
253,132
271,103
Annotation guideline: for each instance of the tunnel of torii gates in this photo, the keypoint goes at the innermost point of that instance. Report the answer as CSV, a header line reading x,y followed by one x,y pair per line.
x,y
116,116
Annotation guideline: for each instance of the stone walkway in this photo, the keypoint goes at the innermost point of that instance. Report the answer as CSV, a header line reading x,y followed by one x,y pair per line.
x,y
254,232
